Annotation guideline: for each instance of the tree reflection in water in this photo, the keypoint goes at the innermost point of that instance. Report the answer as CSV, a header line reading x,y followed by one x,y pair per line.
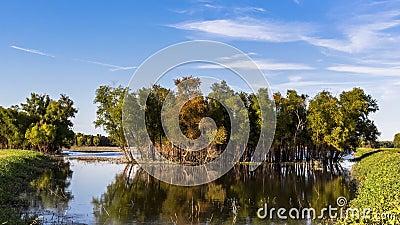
x,y
135,196
50,196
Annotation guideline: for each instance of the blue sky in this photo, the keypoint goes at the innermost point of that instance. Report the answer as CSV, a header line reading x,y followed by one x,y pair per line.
x,y
59,47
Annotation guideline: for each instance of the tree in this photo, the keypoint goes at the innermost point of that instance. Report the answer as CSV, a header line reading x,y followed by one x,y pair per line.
x,y
89,140
80,139
194,107
356,106
13,125
291,134
41,123
322,130
96,140
325,120
109,102
154,104
342,124
59,114
49,116
396,140
42,137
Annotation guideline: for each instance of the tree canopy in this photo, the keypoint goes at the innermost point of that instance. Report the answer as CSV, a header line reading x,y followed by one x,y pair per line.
x,y
319,128
41,123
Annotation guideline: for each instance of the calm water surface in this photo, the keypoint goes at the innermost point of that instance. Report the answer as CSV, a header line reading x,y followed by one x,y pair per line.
x,y
102,192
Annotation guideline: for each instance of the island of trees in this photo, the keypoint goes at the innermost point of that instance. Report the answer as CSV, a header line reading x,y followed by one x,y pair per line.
x,y
322,127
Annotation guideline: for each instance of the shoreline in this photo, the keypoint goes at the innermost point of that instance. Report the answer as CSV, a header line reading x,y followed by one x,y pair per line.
x,y
92,149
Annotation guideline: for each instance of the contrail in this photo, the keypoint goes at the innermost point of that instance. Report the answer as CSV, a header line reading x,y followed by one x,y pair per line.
x,y
32,51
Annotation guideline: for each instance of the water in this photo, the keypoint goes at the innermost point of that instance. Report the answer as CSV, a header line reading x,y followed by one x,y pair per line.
x,y
102,192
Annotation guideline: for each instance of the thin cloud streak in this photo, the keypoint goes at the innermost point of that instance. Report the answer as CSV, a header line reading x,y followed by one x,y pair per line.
x,y
110,66
33,51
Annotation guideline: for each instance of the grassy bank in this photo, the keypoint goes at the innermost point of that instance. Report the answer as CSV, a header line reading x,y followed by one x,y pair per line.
x,y
17,169
379,185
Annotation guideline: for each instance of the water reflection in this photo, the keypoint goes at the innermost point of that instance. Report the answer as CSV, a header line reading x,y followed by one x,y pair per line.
x,y
108,193
134,196
64,195
51,195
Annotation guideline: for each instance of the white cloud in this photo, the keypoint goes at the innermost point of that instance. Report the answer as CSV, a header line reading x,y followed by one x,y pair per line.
x,y
32,51
251,29
236,62
296,1
248,9
318,84
212,6
295,78
269,65
382,71
359,38
110,66
352,33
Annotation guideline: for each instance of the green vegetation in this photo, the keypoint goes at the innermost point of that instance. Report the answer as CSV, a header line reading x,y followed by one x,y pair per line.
x,y
379,177
341,124
362,151
396,141
109,102
322,130
385,144
17,169
88,140
41,124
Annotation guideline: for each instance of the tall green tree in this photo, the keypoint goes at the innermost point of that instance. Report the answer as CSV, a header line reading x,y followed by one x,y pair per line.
x,y
291,134
109,102
154,104
13,125
325,120
51,122
356,106
42,136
